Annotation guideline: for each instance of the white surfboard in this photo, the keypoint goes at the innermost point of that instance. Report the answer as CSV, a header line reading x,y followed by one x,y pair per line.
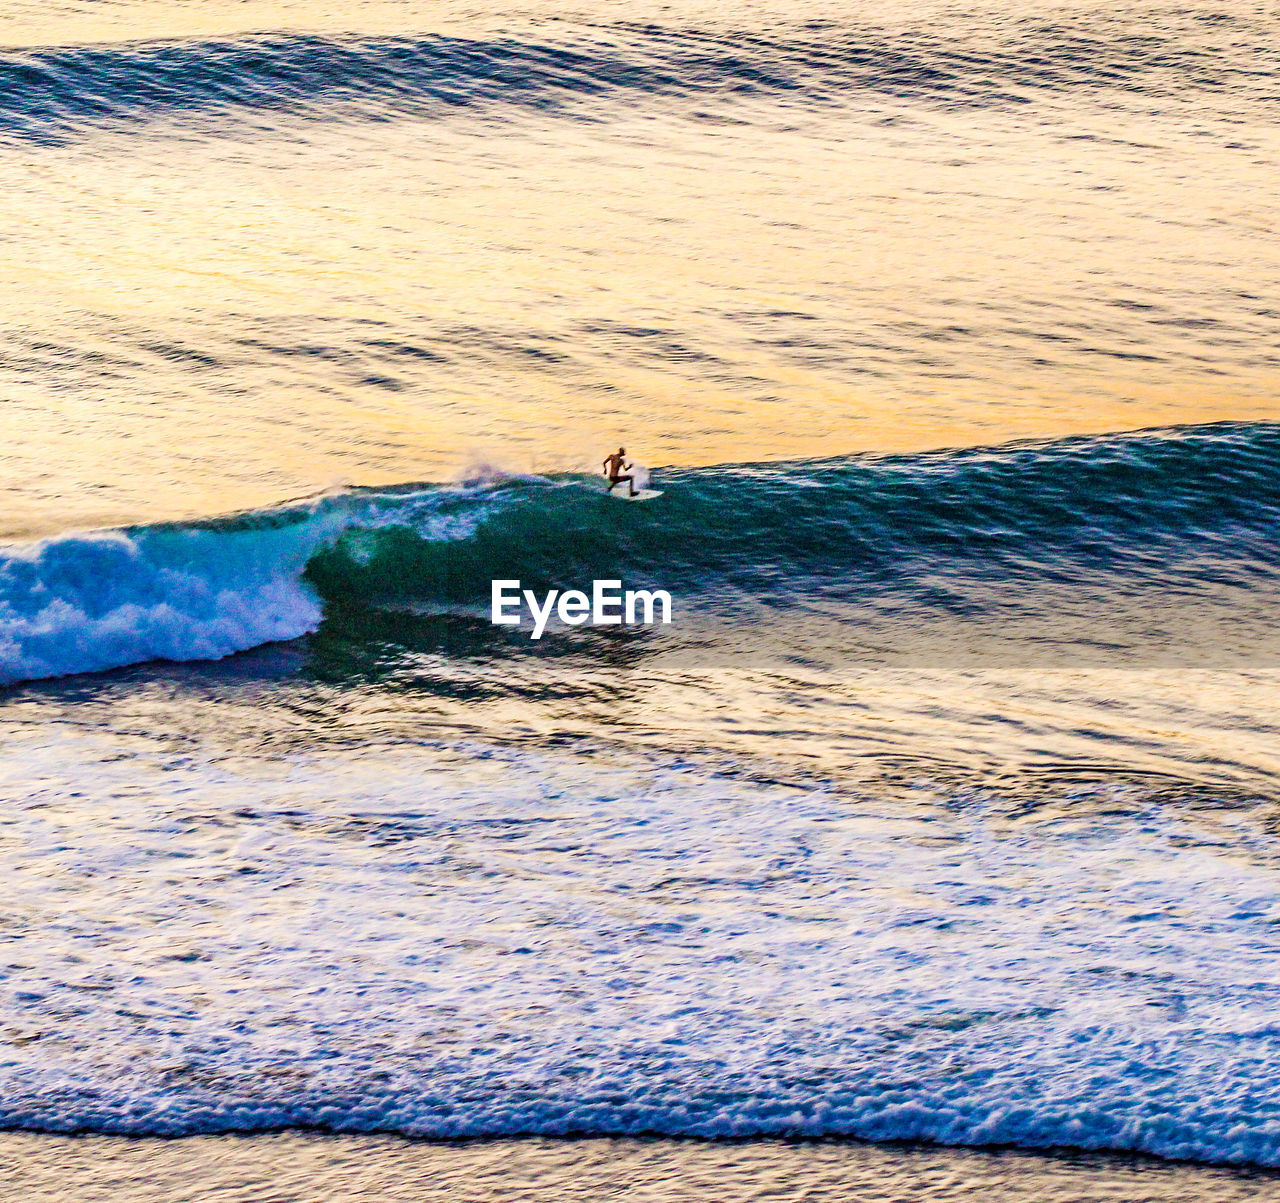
x,y
641,494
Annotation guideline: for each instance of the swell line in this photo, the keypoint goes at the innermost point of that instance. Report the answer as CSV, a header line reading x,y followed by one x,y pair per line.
x,y
47,94
1194,509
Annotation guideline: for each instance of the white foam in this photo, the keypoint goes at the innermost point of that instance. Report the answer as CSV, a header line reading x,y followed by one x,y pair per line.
x,y
463,944
104,599
96,601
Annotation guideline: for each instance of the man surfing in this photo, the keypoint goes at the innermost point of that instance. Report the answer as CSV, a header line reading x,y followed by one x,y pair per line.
x,y
617,470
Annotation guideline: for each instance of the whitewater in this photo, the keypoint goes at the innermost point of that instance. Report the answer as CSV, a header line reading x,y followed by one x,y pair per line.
x,y
483,945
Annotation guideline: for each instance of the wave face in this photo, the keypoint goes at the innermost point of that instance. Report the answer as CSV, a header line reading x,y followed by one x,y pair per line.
x,y
47,92
953,532
1131,505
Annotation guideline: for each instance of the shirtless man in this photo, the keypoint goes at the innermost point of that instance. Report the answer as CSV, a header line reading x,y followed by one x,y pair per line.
x,y
617,470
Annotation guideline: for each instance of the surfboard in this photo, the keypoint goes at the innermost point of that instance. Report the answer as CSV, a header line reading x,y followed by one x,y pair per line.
x,y
641,494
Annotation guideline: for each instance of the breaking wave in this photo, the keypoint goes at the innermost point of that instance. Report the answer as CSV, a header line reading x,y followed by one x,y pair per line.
x,y
1185,508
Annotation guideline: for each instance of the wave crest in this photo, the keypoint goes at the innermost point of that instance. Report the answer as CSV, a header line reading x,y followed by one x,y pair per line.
x,y
1193,505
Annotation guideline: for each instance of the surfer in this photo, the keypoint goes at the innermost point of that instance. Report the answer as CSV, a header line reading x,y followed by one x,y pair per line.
x,y
617,470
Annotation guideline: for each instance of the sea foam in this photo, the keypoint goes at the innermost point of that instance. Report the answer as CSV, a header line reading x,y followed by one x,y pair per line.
x,y
100,600
475,942
103,599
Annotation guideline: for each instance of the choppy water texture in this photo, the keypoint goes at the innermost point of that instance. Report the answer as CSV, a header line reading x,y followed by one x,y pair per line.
x,y
945,810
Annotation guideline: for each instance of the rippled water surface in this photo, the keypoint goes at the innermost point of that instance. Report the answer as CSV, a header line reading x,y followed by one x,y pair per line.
x,y
945,809
374,244
291,1166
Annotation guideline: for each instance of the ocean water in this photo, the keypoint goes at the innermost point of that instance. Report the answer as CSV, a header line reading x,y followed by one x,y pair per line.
x,y
945,809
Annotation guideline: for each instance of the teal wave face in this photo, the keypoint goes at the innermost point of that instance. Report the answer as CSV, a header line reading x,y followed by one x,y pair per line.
x,y
1137,505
